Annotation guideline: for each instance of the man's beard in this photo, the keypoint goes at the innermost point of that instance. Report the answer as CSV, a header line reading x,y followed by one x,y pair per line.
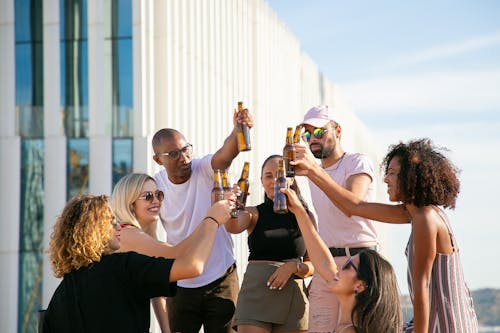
x,y
323,152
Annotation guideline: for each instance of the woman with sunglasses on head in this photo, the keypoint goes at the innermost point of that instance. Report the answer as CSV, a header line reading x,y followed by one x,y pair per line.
x,y
136,202
365,285
105,291
420,177
275,271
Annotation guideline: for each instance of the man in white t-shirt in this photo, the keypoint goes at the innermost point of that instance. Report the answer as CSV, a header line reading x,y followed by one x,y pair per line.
x,y
345,236
208,300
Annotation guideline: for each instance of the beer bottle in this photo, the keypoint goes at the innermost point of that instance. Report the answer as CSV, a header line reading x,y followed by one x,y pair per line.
x,y
296,134
217,190
225,183
243,184
289,153
279,206
243,133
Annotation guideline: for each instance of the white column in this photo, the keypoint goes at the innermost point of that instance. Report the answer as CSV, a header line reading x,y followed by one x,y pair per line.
x,y
142,22
55,141
100,158
10,172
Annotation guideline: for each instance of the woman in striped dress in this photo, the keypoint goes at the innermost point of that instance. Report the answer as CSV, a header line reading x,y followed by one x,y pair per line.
x,y
421,178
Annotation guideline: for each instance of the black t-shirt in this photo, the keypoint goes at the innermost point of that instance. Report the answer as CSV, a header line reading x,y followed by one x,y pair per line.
x,y
109,296
275,237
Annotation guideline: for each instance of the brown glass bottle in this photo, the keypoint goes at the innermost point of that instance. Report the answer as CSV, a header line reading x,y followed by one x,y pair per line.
x,y
243,184
225,183
289,153
296,134
217,190
279,206
243,133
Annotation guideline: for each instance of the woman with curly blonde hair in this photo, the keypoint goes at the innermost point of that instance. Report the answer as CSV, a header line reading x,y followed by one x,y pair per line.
x,y
104,291
419,176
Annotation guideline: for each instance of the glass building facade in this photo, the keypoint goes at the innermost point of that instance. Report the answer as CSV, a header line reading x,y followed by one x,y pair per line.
x,y
74,93
118,43
74,112
29,115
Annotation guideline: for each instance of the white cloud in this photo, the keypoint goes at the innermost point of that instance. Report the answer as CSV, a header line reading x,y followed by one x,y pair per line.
x,y
444,51
447,91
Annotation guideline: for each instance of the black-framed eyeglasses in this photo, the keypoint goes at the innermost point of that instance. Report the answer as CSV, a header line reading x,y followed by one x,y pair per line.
x,y
150,195
348,263
175,154
318,133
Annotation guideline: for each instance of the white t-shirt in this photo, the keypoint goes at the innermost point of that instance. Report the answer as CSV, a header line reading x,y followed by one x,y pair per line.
x,y
334,227
184,207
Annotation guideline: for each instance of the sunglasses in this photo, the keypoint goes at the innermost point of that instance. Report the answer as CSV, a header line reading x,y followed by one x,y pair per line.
x,y
348,263
175,154
318,133
149,195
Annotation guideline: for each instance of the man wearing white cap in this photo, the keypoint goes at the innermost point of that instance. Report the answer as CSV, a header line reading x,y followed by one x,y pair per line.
x,y
345,236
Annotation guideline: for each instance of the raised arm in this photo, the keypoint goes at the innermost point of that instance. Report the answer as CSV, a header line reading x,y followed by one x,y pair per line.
x,y
223,158
350,203
192,261
318,252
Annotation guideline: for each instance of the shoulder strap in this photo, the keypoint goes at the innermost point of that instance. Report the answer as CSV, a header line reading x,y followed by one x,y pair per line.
x,y
446,222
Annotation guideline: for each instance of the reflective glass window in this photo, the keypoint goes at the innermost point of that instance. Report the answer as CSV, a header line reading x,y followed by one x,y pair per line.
x,y
122,158
29,67
78,166
74,67
31,234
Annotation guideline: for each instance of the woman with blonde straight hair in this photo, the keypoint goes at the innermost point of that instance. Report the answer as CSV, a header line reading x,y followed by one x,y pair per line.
x,y
136,202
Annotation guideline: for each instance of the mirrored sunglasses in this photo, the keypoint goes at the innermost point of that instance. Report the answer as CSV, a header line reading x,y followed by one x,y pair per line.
x,y
318,133
348,263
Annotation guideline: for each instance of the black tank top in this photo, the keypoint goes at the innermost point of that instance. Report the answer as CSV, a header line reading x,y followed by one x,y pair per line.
x,y
276,237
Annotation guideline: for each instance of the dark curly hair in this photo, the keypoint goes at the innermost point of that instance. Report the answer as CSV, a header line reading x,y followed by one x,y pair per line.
x,y
426,177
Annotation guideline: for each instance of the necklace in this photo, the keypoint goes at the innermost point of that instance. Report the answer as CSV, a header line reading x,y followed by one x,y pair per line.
x,y
342,327
337,164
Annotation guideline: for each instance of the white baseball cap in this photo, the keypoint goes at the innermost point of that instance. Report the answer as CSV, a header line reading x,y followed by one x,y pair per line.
x,y
318,116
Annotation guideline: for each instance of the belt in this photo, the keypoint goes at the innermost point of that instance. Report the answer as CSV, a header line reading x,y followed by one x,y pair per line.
x,y
340,251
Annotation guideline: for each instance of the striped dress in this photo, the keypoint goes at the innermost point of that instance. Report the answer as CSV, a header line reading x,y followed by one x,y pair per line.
x,y
451,305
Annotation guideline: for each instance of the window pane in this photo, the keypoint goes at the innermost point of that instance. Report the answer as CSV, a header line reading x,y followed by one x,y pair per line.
x,y
78,167
122,158
31,234
74,70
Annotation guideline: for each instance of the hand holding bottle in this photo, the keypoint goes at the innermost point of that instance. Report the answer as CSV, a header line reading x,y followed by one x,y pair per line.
x,y
304,160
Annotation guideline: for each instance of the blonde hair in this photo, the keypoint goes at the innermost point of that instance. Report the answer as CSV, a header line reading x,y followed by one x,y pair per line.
x,y
81,234
126,192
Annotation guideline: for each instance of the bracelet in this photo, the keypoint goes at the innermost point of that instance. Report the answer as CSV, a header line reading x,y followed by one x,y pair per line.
x,y
213,219
298,268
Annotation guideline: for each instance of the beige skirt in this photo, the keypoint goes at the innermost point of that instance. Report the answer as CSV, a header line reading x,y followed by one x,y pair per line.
x,y
257,302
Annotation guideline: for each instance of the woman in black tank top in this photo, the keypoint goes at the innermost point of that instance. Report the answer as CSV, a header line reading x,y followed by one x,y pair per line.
x,y
277,265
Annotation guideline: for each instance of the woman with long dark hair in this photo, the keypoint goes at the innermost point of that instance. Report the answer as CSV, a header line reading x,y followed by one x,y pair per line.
x,y
365,284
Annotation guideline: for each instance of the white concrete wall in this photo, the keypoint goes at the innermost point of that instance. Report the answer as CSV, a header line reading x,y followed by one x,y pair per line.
x,y
207,55
10,169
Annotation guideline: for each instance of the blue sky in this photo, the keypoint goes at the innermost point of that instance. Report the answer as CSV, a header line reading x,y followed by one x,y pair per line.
x,y
421,69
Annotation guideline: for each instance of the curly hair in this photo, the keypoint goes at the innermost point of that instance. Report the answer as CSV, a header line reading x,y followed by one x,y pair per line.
x,y
81,233
426,177
126,192
377,308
